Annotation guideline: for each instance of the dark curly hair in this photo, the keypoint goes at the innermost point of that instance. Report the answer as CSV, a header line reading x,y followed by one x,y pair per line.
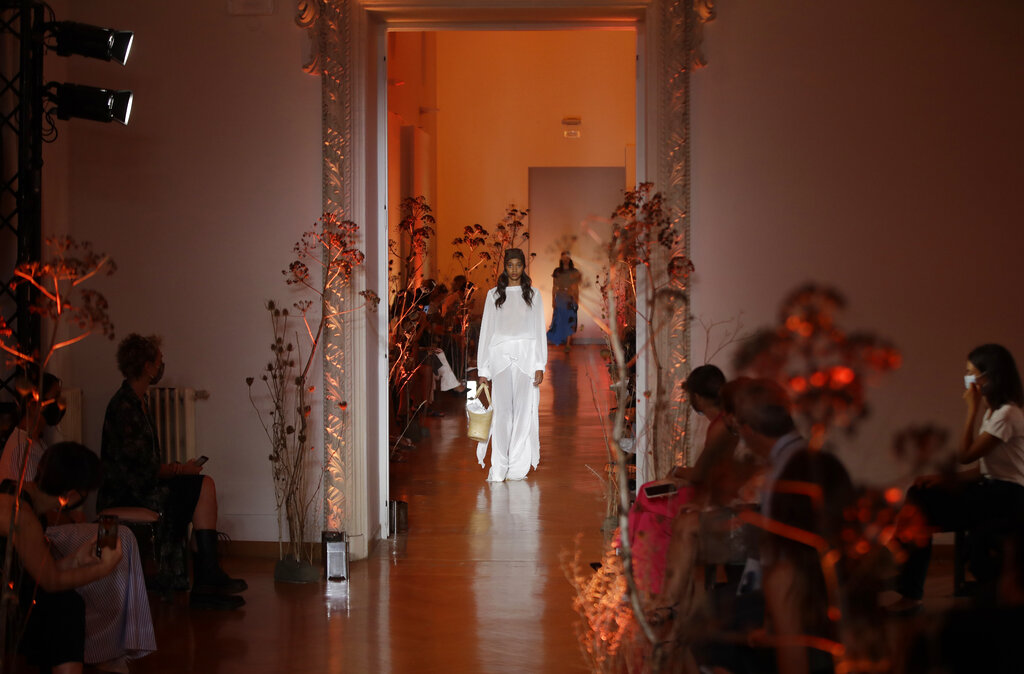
x,y
524,280
134,352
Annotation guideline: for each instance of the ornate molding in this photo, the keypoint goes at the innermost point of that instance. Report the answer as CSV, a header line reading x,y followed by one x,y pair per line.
x,y
703,12
330,26
676,38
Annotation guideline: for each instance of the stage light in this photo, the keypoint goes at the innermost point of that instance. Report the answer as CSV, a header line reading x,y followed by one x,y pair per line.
x,y
91,41
100,105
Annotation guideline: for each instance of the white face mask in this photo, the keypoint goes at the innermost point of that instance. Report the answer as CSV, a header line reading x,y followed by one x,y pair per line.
x,y
970,379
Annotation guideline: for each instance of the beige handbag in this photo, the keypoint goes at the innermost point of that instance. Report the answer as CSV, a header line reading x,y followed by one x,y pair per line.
x,y
479,417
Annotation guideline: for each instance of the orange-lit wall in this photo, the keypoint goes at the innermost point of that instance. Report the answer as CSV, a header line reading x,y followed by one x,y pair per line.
x,y
502,97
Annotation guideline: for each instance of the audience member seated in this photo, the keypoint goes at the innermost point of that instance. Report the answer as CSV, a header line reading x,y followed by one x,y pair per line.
x,y
136,476
651,518
52,615
118,624
725,482
455,313
783,598
985,500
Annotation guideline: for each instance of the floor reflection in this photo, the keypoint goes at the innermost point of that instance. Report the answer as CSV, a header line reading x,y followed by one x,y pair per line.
x,y
564,394
507,588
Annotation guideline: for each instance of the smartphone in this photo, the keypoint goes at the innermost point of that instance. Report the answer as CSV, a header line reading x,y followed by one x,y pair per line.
x,y
201,460
106,536
660,488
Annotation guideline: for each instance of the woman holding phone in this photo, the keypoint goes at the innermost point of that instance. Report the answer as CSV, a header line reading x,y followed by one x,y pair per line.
x,y
135,475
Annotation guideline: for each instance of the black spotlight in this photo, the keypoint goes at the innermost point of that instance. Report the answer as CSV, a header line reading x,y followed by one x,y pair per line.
x,y
100,105
92,41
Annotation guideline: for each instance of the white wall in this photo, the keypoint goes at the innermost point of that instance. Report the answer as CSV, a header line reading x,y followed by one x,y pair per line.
x,y
199,201
877,150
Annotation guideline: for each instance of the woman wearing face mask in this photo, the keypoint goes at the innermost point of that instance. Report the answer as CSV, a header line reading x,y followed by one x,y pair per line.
x,y
982,501
512,353
136,476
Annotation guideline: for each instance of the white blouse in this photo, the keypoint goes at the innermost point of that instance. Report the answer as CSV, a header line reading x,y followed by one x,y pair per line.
x,y
1006,460
512,334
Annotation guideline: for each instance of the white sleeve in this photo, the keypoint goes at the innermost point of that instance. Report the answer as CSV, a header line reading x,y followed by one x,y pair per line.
x,y
998,424
541,333
483,345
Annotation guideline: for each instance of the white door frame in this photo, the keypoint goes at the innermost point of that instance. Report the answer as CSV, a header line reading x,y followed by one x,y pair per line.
x,y
350,48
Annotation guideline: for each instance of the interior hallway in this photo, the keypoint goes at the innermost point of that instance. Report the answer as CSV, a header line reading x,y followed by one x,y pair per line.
x,y
475,586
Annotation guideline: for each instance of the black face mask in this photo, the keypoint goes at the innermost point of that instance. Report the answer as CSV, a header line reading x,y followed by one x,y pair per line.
x,y
159,373
53,413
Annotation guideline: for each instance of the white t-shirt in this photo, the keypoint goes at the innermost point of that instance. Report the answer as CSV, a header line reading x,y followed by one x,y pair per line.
x,y
1006,460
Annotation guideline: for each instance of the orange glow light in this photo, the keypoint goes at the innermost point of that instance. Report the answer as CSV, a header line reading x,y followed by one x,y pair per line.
x,y
893,495
818,379
842,375
798,384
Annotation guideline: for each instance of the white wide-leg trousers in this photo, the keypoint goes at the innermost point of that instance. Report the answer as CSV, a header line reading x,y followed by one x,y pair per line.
x,y
514,432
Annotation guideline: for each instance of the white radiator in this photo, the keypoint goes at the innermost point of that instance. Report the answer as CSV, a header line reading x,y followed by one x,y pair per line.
x,y
174,412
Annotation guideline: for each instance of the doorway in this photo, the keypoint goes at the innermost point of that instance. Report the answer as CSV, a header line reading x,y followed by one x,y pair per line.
x,y
350,38
481,122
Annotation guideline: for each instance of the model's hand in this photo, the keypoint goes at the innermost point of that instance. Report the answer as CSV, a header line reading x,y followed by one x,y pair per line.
x,y
538,377
482,381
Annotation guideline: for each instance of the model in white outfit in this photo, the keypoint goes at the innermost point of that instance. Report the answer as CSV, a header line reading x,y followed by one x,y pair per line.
x,y
511,354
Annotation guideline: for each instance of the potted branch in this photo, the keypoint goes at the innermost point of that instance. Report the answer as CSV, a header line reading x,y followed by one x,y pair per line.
x,y
297,476
70,313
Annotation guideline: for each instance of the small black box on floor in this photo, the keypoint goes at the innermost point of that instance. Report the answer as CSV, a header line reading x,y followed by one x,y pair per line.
x,y
335,554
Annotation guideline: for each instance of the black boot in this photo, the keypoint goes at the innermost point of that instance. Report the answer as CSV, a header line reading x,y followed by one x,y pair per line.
x,y
208,577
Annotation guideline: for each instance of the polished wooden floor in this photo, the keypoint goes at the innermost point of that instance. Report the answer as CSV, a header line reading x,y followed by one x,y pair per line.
x,y
476,585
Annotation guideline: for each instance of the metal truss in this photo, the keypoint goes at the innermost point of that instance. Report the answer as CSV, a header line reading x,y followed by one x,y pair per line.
x,y
21,160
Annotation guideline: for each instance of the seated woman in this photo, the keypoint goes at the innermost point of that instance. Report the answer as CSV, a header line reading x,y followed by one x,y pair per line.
x,y
651,519
136,476
982,501
118,624
54,628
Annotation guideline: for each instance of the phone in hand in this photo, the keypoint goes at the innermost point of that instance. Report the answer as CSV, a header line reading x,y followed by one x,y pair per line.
x,y
201,460
106,536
